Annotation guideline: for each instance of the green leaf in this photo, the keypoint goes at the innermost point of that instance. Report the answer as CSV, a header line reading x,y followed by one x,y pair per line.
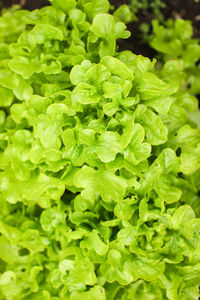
x,y
8,79
124,14
113,187
6,97
97,74
137,150
150,86
68,138
44,32
125,209
111,108
189,140
156,132
141,289
116,67
65,6
161,105
51,218
92,241
87,137
147,269
94,7
182,215
77,73
103,25
97,293
48,132
23,66
49,188
8,253
32,240
24,90
166,191
85,93
128,133
108,145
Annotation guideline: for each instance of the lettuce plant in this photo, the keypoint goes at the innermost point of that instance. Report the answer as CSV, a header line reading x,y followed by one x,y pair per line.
x,y
99,163
176,46
174,41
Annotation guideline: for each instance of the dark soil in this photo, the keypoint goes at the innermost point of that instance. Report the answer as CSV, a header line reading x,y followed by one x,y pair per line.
x,y
186,9
26,4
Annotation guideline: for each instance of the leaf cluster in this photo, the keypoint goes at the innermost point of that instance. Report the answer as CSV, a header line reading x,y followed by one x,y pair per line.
x,y
99,163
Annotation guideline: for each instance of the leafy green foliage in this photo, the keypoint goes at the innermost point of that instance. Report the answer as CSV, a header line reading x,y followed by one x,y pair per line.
x,y
174,41
99,163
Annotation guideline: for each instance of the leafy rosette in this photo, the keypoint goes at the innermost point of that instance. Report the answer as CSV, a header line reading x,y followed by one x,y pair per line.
x,y
99,163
